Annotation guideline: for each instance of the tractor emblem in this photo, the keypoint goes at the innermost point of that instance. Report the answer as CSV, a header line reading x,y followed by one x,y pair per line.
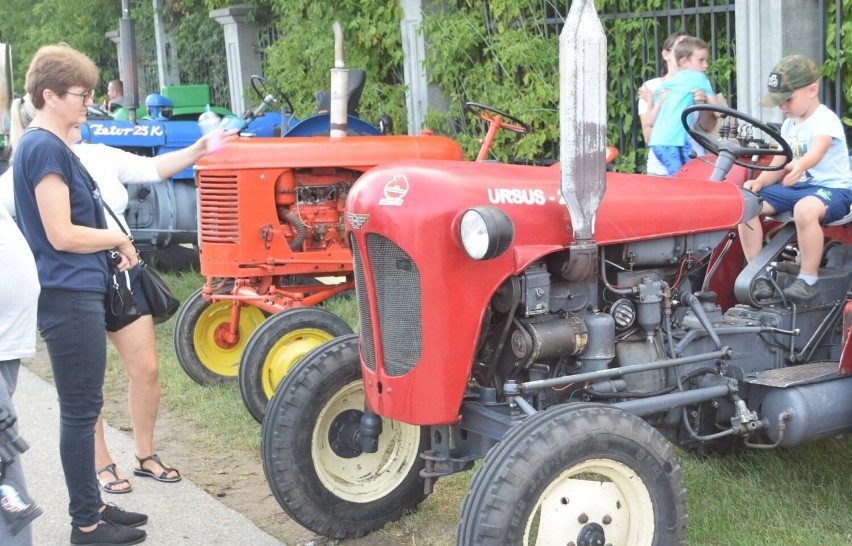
x,y
395,190
357,221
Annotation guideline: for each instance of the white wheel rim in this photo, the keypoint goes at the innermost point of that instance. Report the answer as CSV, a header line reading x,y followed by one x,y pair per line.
x,y
368,476
601,491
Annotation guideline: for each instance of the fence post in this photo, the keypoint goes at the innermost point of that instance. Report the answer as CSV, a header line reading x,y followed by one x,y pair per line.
x,y
766,32
242,55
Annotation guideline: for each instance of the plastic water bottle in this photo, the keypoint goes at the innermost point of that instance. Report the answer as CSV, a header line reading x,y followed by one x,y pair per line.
x,y
209,122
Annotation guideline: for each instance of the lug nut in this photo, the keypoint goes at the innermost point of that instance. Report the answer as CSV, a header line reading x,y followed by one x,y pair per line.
x,y
583,518
607,519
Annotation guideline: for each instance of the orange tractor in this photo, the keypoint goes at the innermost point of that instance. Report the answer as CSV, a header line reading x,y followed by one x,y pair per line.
x,y
272,242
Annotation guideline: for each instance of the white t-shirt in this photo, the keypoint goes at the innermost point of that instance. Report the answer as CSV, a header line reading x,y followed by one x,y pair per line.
x,y
18,292
653,165
110,168
832,171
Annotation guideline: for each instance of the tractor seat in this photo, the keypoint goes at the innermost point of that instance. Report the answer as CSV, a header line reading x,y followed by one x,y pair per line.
x,y
357,78
788,215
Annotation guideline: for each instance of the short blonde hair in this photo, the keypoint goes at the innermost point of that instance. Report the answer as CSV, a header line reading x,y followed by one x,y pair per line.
x,y
59,67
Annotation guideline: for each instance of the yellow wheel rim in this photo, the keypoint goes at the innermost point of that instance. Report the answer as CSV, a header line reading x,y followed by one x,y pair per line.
x,y
214,355
286,352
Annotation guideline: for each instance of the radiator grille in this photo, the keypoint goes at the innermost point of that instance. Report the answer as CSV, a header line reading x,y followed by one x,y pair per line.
x,y
218,212
368,349
397,280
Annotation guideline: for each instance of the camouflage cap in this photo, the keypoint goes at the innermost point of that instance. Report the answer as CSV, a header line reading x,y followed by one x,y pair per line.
x,y
791,73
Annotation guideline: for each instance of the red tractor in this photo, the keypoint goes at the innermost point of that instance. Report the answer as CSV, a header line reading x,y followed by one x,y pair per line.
x,y
492,328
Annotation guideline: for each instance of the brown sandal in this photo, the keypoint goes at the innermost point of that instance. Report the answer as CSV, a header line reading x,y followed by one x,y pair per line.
x,y
109,487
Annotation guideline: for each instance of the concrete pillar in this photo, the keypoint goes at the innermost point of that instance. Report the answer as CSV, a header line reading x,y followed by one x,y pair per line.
x,y
420,94
141,79
414,71
241,51
167,61
766,32
113,37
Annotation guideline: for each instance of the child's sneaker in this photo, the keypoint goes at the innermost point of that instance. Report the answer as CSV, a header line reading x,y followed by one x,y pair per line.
x,y
800,291
762,290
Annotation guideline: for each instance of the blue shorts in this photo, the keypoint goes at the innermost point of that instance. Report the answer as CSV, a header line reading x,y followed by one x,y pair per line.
x,y
672,157
783,198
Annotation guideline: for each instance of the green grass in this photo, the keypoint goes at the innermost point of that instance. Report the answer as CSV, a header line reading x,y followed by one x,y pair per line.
x,y
798,496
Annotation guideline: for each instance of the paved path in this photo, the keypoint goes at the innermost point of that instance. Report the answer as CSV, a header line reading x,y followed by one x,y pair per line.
x,y
184,514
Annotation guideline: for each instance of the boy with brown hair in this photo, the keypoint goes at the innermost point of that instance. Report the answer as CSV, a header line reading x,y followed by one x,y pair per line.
x,y
816,185
669,140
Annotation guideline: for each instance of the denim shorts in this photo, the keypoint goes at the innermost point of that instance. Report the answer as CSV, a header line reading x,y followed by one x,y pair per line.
x,y
784,198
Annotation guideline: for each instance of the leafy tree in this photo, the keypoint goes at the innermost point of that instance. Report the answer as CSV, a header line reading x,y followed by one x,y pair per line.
x,y
300,59
27,25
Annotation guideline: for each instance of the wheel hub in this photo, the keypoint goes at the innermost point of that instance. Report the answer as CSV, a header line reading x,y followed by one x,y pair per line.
x,y
591,535
224,338
341,434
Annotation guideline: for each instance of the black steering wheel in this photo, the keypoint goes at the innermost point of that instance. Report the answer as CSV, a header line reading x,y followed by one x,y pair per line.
x,y
264,87
729,151
482,111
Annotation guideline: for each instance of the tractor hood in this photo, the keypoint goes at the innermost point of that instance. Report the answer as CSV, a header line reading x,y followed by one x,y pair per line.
x,y
433,194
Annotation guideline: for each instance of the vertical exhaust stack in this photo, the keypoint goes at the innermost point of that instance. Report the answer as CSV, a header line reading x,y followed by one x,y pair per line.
x,y
339,88
582,129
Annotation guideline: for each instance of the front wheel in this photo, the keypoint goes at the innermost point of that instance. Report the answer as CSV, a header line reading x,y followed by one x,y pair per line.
x,y
201,350
313,471
276,346
581,475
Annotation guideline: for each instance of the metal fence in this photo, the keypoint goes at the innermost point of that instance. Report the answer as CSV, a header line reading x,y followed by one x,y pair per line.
x,y
711,20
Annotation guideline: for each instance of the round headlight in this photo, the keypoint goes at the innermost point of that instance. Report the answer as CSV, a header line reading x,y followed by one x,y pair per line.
x,y
485,232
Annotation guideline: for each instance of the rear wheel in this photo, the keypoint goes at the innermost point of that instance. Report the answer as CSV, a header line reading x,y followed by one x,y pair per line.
x,y
313,471
581,475
201,350
276,346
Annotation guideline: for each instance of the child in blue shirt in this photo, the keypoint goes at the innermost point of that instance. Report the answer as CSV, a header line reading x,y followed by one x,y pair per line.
x,y
669,140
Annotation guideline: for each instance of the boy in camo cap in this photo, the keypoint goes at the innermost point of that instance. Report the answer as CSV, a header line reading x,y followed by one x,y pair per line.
x,y
816,185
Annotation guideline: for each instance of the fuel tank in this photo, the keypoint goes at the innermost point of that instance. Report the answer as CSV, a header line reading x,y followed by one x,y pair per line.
x,y
813,411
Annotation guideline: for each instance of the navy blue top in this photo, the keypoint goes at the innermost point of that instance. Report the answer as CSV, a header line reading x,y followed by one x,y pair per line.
x,y
38,154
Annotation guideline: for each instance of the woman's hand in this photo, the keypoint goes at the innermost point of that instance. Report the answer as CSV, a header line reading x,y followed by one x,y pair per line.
x,y
128,259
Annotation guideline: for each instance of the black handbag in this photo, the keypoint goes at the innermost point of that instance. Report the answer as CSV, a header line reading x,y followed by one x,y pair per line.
x,y
161,301
121,306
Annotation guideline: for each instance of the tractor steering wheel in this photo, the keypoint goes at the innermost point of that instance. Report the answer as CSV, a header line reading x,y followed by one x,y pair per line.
x,y
729,151
264,87
481,111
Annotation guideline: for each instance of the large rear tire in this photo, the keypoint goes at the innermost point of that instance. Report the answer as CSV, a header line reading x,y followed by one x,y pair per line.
x,y
199,350
581,475
276,346
320,483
